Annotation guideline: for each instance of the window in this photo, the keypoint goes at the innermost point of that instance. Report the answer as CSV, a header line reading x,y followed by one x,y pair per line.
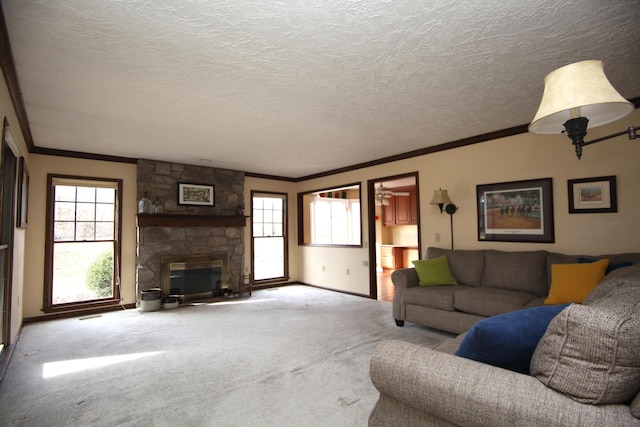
x,y
269,236
330,217
335,221
82,246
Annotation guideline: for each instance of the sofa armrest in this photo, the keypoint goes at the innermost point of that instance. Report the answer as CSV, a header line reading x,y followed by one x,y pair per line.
x,y
402,279
469,393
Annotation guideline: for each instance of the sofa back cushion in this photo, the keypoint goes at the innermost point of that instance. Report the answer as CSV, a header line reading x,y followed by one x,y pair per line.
x,y
614,260
465,265
516,271
590,354
620,289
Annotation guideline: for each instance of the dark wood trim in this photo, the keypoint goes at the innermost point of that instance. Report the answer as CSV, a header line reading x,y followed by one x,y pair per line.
x,y
10,73
81,155
80,313
273,177
182,220
355,294
7,352
371,207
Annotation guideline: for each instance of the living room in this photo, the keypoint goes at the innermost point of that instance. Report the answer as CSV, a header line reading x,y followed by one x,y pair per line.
x,y
508,153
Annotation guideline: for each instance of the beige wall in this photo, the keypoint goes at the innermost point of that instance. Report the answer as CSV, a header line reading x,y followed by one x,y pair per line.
x,y
515,158
34,258
459,170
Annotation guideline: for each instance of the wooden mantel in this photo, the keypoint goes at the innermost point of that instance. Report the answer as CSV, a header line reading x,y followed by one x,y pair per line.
x,y
179,220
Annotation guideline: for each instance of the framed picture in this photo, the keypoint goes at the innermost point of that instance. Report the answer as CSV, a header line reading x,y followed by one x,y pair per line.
x,y
592,195
196,194
517,211
22,197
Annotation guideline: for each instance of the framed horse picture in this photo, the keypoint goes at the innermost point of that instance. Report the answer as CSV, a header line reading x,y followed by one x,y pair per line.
x,y
517,211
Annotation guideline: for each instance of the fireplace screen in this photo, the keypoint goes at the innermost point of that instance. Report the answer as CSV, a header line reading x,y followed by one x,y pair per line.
x,y
197,278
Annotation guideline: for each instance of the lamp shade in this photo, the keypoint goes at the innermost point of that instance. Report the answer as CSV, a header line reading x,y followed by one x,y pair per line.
x,y
578,90
441,197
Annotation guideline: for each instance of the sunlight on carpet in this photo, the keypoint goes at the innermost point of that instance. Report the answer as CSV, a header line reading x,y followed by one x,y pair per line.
x,y
56,369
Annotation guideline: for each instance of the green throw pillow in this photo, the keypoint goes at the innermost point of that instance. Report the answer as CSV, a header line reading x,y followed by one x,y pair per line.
x,y
434,272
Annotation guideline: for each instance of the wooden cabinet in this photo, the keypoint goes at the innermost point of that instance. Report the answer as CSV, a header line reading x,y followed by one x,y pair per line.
x,y
391,257
402,210
389,213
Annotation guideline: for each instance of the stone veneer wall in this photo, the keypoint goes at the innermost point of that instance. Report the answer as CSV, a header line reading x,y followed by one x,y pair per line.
x,y
159,180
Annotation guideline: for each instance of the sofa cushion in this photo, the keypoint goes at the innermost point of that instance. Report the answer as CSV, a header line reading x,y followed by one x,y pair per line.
x,y
434,272
516,271
620,290
466,265
557,258
590,354
439,297
508,340
635,406
573,282
612,265
490,301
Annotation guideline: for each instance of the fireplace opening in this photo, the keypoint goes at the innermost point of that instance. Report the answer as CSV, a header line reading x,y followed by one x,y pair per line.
x,y
188,278
192,277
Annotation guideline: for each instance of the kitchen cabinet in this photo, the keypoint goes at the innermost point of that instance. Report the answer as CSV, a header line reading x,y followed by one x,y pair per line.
x,y
391,257
401,210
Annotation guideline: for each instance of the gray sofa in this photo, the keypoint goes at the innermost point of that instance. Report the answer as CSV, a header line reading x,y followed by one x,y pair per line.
x,y
490,282
585,371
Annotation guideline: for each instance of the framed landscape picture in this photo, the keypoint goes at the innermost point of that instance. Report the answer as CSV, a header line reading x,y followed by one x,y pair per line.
x,y
196,194
592,195
517,211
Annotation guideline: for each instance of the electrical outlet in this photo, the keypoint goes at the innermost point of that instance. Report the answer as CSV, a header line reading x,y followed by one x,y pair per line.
x,y
437,237
365,263
348,272
323,268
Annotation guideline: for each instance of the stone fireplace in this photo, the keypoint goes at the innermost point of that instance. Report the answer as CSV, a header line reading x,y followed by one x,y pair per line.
x,y
189,234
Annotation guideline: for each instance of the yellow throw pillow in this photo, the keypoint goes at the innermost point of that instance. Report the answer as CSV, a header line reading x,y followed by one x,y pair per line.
x,y
573,282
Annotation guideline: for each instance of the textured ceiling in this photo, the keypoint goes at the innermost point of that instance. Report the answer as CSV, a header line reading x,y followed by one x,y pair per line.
x,y
294,88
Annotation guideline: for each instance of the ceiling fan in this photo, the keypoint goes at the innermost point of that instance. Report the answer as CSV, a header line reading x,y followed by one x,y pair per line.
x,y
383,194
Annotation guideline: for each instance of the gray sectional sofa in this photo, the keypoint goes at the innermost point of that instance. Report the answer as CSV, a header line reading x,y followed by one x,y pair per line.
x,y
585,370
490,282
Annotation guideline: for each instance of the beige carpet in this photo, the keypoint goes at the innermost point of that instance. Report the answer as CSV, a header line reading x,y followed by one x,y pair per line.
x,y
289,356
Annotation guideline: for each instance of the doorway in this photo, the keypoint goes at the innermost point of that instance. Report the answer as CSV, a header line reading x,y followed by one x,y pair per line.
x,y
8,173
394,231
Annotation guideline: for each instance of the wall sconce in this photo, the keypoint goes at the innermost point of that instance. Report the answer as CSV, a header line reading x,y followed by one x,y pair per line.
x,y
441,198
576,97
